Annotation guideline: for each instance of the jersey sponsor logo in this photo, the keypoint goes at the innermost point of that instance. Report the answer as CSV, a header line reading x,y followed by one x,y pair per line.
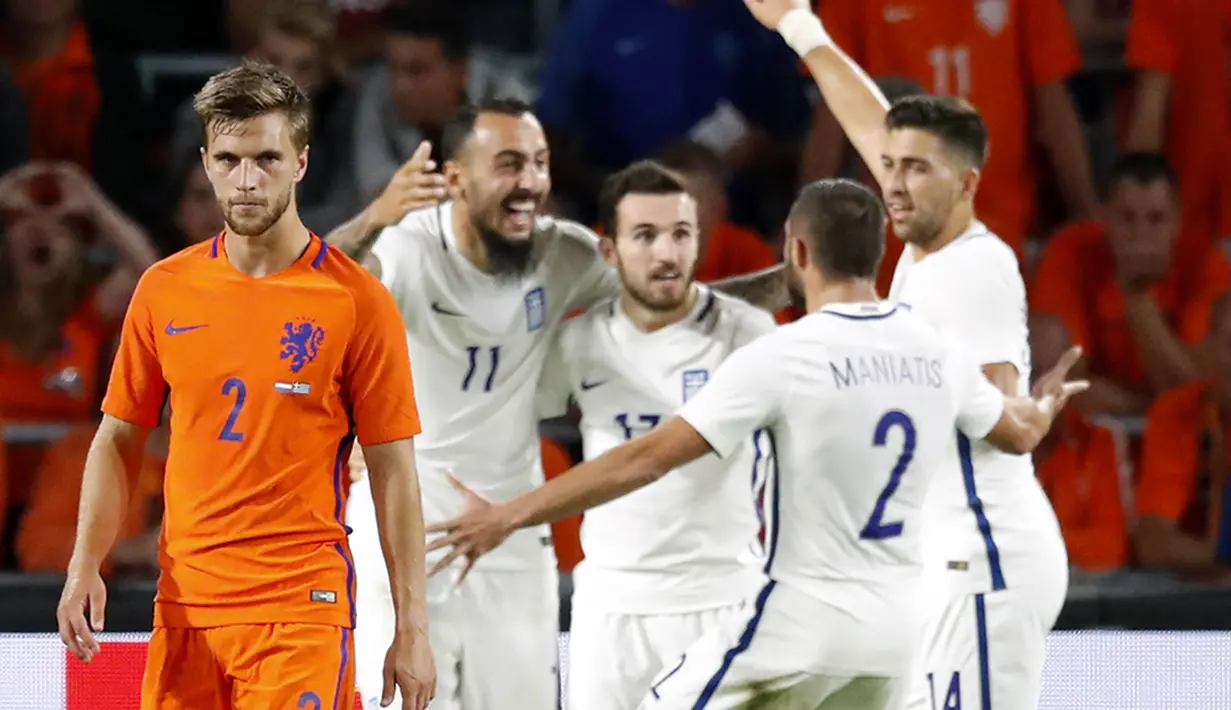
x,y
536,309
301,342
437,308
591,385
293,387
992,14
172,329
324,595
694,380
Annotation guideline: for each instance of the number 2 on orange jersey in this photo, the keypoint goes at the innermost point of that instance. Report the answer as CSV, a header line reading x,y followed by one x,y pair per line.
x,y
233,384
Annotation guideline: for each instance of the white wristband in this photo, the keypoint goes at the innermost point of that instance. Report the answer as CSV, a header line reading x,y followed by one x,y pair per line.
x,y
803,31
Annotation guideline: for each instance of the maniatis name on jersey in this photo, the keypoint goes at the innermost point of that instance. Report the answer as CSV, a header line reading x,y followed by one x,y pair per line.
x,y
886,369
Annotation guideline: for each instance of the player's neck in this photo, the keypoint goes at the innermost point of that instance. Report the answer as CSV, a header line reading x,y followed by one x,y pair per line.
x,y
649,320
960,221
466,237
269,253
827,293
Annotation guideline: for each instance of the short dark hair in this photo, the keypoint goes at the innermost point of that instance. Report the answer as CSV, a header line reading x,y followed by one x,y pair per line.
x,y
1142,168
250,90
954,121
445,22
844,224
644,177
459,128
692,158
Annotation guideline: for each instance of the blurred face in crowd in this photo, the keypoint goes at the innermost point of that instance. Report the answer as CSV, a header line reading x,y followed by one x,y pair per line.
x,y
197,213
299,57
427,87
1218,348
926,181
253,166
655,248
1142,221
501,175
40,13
44,252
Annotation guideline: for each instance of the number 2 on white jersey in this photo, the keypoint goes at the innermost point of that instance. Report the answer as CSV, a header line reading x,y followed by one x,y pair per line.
x,y
876,529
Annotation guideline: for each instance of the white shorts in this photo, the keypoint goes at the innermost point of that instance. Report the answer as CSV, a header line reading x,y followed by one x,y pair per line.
x,y
985,651
783,651
614,657
494,637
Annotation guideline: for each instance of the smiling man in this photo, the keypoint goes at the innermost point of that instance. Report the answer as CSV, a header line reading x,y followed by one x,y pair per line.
x,y
665,564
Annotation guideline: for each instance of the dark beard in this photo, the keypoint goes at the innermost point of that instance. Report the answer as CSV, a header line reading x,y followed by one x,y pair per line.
x,y
508,260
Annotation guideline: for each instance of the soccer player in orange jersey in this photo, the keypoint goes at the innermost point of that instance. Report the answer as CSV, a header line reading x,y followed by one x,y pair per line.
x,y
276,352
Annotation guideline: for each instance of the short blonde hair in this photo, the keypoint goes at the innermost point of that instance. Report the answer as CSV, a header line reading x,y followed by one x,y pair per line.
x,y
250,90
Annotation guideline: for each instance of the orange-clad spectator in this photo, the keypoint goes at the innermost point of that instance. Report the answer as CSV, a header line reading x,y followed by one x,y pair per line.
x,y
1082,466
1184,523
1183,102
1010,58
83,107
1099,24
49,526
566,533
1135,309
57,309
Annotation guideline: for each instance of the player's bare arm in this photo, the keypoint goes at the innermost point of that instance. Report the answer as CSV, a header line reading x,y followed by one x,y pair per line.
x,y
413,186
399,521
110,472
484,525
1026,420
764,289
851,95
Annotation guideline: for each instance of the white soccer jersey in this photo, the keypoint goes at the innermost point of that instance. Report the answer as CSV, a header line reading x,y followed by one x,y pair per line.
x,y
674,546
477,347
861,400
987,517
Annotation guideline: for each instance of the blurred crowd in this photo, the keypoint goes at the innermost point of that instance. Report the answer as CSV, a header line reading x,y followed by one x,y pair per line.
x,y
1110,126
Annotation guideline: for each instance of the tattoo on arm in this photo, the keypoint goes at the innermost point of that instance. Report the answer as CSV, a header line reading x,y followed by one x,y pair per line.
x,y
765,288
356,237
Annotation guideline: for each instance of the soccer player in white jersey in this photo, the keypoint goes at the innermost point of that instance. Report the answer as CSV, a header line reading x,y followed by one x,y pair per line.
x,y
861,398
483,285
996,571
670,561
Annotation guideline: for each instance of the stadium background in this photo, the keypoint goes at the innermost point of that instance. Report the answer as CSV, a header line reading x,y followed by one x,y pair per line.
x,y
108,94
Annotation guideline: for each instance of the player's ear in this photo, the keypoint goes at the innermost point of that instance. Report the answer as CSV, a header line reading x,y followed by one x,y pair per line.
x,y
606,246
453,180
302,168
797,251
970,182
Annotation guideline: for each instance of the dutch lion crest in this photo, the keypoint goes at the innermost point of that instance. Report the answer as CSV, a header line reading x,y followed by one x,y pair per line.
x,y
301,343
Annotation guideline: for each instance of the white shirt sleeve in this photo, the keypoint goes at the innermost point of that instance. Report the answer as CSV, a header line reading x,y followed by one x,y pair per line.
x,y
754,323
595,279
979,403
743,395
985,306
554,390
397,253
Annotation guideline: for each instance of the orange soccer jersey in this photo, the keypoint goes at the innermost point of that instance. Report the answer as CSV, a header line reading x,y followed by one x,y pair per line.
x,y
989,52
269,379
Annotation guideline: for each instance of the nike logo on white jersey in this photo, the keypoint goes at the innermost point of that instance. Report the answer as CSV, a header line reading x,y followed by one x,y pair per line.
x,y
445,311
591,385
896,13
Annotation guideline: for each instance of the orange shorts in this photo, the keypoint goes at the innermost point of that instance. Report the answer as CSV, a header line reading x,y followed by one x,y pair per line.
x,y
250,667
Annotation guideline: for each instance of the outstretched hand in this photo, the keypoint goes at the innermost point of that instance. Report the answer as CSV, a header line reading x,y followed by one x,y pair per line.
x,y
480,528
415,185
1052,389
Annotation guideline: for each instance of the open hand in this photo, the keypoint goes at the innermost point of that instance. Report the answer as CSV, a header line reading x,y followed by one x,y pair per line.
x,y
771,12
1052,385
480,528
413,186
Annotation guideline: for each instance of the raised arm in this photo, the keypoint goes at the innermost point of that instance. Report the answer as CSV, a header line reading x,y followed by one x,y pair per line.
x,y
1025,421
851,95
764,289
